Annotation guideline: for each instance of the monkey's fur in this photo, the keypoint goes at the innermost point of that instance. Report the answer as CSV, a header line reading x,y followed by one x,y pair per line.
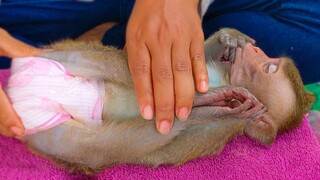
x,y
125,137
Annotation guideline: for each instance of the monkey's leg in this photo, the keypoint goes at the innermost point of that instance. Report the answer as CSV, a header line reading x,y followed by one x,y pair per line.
x,y
238,103
196,141
211,125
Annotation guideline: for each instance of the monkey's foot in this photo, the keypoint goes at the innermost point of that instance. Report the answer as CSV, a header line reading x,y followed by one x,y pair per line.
x,y
230,102
261,129
232,39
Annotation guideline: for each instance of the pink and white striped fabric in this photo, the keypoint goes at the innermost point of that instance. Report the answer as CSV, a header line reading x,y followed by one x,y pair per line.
x,y
44,94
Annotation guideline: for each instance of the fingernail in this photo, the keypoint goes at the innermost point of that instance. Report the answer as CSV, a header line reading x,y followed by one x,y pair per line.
x,y
203,86
17,131
164,127
147,112
183,113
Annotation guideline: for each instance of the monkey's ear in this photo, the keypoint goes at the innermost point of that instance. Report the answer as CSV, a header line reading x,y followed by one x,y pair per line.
x,y
262,129
310,98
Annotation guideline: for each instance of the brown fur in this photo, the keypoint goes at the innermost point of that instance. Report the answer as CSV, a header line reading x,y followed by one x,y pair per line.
x,y
303,100
125,137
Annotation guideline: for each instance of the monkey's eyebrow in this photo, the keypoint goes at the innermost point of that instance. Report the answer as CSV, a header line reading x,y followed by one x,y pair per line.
x,y
283,62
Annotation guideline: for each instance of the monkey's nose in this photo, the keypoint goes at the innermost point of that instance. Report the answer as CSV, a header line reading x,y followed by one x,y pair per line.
x,y
252,52
250,47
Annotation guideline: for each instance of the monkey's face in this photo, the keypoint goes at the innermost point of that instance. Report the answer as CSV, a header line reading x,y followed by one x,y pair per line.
x,y
264,77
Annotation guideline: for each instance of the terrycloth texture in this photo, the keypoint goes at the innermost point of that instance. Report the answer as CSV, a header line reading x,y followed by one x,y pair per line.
x,y
314,119
44,94
294,155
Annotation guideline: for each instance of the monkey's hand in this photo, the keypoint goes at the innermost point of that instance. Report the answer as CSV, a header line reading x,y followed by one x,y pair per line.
x,y
231,39
229,102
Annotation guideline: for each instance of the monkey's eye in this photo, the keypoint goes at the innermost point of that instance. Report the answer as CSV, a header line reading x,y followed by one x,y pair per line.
x,y
272,68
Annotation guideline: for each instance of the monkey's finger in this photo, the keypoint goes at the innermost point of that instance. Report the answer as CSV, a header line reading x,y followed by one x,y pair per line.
x,y
199,68
140,68
163,86
183,78
243,96
242,108
259,112
254,111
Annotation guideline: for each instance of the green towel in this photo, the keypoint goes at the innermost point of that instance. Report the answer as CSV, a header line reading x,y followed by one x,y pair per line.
x,y
315,89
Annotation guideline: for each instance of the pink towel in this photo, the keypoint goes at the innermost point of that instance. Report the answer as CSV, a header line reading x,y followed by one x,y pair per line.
x,y
294,155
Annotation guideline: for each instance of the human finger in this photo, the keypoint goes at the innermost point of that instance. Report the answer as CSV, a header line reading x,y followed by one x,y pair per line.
x,y
140,68
163,87
183,78
200,72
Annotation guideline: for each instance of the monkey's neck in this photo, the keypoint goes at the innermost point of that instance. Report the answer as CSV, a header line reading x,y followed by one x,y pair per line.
x,y
217,76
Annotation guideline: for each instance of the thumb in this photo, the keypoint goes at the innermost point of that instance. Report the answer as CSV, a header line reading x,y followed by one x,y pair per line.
x,y
10,123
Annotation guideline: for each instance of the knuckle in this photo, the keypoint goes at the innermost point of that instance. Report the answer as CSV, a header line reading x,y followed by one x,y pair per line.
x,y
166,107
165,74
140,68
198,58
158,32
147,93
182,66
178,30
200,35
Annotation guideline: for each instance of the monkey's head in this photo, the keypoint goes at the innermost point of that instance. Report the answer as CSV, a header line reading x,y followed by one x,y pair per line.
x,y
276,83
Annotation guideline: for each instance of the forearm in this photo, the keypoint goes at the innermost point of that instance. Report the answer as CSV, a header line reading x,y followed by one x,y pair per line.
x,y
12,48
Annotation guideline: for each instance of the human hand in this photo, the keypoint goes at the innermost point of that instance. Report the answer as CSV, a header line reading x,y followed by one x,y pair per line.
x,y
165,46
10,124
13,48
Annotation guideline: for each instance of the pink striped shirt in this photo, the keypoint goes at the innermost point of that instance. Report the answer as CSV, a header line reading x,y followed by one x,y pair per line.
x,y
44,94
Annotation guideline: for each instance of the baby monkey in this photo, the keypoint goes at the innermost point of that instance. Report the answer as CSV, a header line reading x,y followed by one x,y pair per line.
x,y
93,121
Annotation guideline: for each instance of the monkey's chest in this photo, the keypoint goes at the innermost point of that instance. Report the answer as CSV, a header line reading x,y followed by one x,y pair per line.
x,y
215,77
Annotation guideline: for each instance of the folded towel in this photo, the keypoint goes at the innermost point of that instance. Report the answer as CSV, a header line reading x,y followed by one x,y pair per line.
x,y
294,155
